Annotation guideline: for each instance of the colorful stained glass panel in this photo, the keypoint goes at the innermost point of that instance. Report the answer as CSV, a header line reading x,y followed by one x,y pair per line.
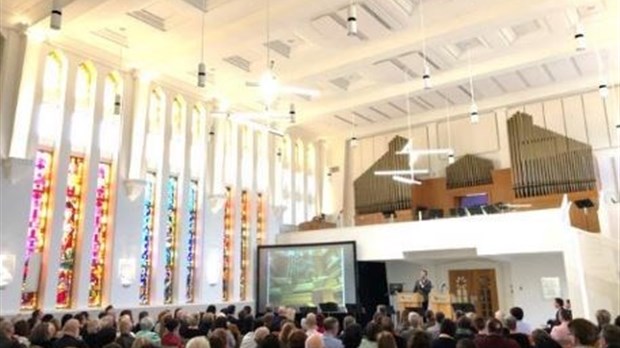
x,y
100,235
171,238
227,262
148,225
191,245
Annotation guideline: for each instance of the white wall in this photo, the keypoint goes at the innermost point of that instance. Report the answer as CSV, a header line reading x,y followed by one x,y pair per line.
x,y
518,279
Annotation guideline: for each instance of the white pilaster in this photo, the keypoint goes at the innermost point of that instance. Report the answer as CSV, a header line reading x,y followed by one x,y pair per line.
x,y
12,61
501,118
349,193
139,116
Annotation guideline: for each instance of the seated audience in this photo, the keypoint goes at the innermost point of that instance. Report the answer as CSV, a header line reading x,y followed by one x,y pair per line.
x,y
311,324
522,326
314,341
35,318
386,339
143,343
479,325
494,337
541,339
434,329
198,342
464,329
285,332
584,332
603,318
70,336
107,338
189,327
146,331
270,341
21,331
330,336
172,338
513,332
560,333
42,335
370,335
415,323
446,335
352,336
465,343
610,337
7,335
420,339
126,337
297,339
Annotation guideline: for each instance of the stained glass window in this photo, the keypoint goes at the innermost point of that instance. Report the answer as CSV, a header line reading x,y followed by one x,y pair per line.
x,y
109,137
192,227
37,225
260,220
100,235
154,137
245,244
70,227
148,225
299,197
171,238
228,247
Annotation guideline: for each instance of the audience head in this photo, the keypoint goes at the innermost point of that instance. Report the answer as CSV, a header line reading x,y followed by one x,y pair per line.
x,y
458,314
603,317
36,314
429,315
21,328
220,323
386,324
610,336
420,339
499,315
542,339
382,309
448,327
40,333
127,313
494,327
372,330
584,332
331,326
71,328
352,336
511,323
310,321
6,329
617,321
414,320
464,323
558,303
142,342
171,324
106,336
386,340
565,315
348,321
439,317
47,318
297,339
146,324
285,332
268,320
142,314
260,334
270,341
479,324
222,338
247,309
198,342
314,341
465,343
125,325
517,313
211,309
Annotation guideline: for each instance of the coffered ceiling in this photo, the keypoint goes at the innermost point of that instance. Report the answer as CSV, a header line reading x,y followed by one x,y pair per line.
x,y
372,79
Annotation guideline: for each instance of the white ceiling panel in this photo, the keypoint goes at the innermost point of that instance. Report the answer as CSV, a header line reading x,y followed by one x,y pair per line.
x,y
377,114
535,76
391,109
363,115
367,22
434,99
511,82
414,62
386,71
327,25
587,62
562,70
456,95
414,106
487,88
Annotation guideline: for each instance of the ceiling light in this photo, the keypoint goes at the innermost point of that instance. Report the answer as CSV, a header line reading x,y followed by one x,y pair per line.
x,y
117,104
279,153
451,158
473,114
292,113
352,20
603,89
426,77
269,87
202,74
354,141
56,15
580,37
405,180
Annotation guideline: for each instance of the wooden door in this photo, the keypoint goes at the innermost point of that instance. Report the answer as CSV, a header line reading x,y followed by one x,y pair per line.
x,y
475,286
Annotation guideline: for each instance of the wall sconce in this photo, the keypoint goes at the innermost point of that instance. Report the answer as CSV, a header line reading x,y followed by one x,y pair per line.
x,y
214,266
126,271
7,268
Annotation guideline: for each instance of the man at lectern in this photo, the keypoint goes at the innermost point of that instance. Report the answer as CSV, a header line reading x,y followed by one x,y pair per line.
x,y
423,287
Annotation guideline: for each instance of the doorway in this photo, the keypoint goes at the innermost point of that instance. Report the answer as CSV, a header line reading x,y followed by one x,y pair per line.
x,y
477,287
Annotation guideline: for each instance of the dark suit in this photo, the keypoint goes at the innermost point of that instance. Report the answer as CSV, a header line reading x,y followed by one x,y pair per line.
x,y
423,287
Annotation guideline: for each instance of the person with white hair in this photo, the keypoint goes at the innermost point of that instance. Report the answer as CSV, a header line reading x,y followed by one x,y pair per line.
x,y
146,331
311,325
198,342
315,341
70,336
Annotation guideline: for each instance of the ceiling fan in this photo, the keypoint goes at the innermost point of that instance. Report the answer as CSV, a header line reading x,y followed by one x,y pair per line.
x,y
270,87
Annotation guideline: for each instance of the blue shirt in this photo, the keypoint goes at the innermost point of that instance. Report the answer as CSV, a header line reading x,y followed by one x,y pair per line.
x,y
332,342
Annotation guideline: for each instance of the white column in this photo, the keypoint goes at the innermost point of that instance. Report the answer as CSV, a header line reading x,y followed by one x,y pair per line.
x,y
61,162
437,166
28,99
87,229
320,175
13,60
501,118
141,94
180,269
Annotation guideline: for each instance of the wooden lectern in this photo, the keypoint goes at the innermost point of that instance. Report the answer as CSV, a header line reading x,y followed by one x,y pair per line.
x,y
440,302
405,300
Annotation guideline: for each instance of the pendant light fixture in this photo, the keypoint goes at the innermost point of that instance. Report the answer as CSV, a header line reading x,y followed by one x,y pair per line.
x,y
202,67
451,153
56,15
580,37
352,19
426,75
353,142
292,113
117,96
473,109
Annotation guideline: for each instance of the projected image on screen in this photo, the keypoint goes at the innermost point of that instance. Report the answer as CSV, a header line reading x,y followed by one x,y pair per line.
x,y
306,275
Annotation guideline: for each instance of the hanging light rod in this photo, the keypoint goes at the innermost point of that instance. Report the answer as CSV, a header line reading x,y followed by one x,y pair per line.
x,y
352,20
405,180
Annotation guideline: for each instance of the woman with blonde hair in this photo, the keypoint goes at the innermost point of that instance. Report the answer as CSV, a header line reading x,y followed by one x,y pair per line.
x,y
285,332
198,342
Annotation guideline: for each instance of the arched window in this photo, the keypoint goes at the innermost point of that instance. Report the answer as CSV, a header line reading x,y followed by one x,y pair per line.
x,y
153,154
198,131
81,124
154,134
177,139
247,158
108,143
287,175
48,128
